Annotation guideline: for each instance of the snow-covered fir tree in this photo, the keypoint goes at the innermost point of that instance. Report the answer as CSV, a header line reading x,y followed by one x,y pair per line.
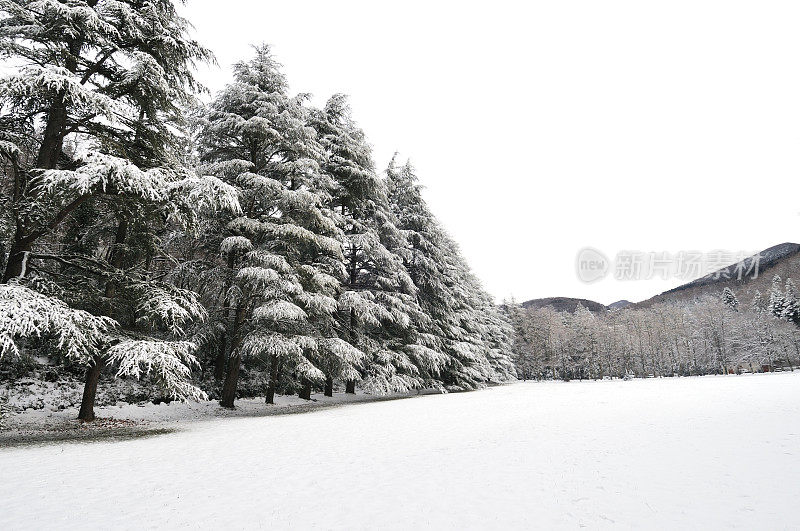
x,y
791,304
377,304
284,252
90,126
263,240
467,342
776,300
730,300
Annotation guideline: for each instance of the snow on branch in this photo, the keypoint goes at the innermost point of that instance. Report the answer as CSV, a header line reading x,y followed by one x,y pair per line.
x,y
76,20
205,194
236,245
168,307
391,371
318,279
362,304
318,303
258,276
107,174
9,149
279,311
25,313
296,234
269,260
427,358
342,350
168,362
32,82
270,344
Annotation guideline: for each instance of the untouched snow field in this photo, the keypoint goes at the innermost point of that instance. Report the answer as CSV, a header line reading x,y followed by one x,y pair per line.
x,y
699,453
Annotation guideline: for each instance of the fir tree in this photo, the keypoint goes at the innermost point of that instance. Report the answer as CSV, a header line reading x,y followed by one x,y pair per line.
x,y
100,93
377,305
757,305
111,72
284,254
791,305
730,300
465,342
776,298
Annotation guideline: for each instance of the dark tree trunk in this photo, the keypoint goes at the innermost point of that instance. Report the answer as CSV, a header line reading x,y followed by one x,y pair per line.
x,y
219,362
46,159
329,386
231,382
17,258
86,413
234,361
274,370
53,139
305,392
350,386
116,256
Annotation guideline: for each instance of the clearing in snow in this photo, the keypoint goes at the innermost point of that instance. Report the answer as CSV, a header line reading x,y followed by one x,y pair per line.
x,y
666,453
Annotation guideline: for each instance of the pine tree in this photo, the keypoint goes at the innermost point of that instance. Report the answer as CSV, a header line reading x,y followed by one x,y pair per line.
x,y
111,72
377,305
776,298
730,300
791,305
90,128
465,342
757,305
283,253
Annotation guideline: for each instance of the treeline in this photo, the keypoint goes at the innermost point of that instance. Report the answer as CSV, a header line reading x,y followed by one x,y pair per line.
x,y
710,335
193,244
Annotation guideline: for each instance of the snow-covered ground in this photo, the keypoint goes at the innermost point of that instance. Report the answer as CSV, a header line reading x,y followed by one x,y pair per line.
x,y
694,453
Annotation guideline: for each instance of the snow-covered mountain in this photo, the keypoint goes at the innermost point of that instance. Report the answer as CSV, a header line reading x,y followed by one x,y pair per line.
x,y
782,260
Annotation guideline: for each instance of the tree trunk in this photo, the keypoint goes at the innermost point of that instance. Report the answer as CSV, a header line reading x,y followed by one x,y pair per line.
x,y
53,139
305,392
86,413
231,382
219,362
350,386
234,361
274,370
329,386
17,258
116,256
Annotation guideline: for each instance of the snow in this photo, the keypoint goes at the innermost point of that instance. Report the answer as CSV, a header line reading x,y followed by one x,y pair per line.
x,y
707,452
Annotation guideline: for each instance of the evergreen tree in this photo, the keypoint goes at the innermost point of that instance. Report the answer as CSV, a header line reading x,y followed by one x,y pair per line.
x,y
730,300
283,253
466,342
89,136
377,305
757,305
110,72
791,305
776,299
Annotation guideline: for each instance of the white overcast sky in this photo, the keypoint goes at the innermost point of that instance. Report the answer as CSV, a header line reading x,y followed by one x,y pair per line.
x,y
540,128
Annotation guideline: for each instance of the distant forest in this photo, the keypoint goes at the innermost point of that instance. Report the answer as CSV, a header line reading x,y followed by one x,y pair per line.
x,y
711,334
